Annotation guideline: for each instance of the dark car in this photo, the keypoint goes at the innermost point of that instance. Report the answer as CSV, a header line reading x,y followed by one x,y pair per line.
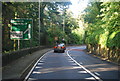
x,y
60,48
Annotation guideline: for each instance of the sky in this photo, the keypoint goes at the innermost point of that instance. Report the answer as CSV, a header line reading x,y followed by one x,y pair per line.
x,y
78,6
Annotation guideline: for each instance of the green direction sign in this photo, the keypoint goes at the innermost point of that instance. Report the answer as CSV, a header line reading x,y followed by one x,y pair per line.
x,y
21,29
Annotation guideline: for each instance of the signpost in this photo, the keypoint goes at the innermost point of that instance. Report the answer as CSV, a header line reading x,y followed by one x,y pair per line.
x,y
21,30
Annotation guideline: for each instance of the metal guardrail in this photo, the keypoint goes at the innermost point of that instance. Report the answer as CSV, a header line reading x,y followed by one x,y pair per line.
x,y
9,57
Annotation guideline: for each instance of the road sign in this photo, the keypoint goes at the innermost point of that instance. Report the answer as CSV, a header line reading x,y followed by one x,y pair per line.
x,y
56,38
21,29
16,34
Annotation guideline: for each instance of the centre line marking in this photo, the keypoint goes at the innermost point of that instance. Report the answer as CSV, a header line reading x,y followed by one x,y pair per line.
x,y
96,77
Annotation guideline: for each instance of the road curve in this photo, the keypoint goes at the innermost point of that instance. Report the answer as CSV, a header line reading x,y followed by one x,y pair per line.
x,y
74,64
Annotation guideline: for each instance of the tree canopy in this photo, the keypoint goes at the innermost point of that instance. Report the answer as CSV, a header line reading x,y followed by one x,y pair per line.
x,y
103,20
55,21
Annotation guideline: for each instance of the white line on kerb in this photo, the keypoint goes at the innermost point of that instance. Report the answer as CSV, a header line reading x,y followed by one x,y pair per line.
x,y
34,66
96,77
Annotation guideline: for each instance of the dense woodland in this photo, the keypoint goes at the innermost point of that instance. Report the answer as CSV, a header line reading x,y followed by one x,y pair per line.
x,y
103,29
51,22
100,30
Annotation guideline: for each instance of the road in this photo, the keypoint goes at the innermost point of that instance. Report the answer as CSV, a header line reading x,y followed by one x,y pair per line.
x,y
74,64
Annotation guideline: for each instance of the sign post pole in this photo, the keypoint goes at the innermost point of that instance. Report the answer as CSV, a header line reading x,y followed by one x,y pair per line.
x,y
14,44
18,44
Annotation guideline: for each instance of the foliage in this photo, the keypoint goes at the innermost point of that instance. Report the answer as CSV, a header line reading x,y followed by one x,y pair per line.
x,y
53,17
19,10
103,29
103,24
113,40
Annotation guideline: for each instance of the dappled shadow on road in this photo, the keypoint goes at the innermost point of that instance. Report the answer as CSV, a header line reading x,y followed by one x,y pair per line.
x,y
49,70
101,67
105,70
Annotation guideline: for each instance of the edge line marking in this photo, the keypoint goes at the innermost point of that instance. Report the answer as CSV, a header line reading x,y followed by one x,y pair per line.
x,y
26,78
96,77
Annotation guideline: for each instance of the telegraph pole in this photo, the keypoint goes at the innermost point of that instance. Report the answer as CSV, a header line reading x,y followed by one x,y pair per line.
x,y
63,24
39,23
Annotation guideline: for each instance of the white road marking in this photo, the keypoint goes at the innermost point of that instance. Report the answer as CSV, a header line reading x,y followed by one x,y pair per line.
x,y
81,63
42,72
74,64
34,66
82,72
96,77
37,67
36,72
90,78
77,67
40,63
31,79
97,73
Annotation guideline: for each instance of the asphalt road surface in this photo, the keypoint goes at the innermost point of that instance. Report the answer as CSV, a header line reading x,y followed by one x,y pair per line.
x,y
74,64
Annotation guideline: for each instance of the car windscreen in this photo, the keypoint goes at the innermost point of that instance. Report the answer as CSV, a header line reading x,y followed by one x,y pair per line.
x,y
61,45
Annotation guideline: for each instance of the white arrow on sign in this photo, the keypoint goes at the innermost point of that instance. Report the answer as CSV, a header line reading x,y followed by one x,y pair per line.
x,y
28,30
